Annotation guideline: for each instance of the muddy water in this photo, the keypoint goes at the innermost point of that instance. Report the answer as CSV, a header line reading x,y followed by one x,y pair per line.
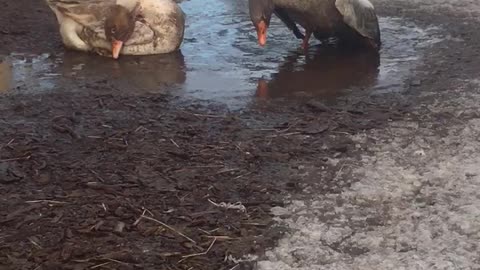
x,y
221,61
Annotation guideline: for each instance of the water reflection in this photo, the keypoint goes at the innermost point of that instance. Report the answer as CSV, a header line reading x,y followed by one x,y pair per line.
x,y
221,61
325,72
135,74
5,74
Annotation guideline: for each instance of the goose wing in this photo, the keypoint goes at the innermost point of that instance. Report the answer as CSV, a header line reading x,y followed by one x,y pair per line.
x,y
361,16
89,13
285,18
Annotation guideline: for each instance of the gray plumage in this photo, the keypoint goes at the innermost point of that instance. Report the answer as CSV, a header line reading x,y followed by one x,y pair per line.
x,y
348,20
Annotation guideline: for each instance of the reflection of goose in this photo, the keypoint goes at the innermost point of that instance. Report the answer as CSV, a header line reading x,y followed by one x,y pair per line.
x,y
326,72
132,74
5,74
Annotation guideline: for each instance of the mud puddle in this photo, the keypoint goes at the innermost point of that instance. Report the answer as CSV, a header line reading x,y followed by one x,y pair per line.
x,y
221,61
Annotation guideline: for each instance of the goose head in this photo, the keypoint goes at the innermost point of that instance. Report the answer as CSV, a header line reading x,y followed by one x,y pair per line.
x,y
261,13
119,27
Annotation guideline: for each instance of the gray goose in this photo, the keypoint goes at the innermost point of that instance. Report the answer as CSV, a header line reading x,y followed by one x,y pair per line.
x,y
350,21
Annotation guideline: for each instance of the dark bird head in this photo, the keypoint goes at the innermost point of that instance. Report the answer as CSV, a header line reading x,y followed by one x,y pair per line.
x,y
261,13
119,27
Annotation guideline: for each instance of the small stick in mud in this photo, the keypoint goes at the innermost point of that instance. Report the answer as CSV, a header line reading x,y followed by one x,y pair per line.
x,y
209,115
199,254
221,237
16,159
238,205
100,265
7,144
46,201
174,143
168,227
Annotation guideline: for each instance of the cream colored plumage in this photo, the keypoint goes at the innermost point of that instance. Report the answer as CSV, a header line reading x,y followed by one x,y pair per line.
x,y
82,25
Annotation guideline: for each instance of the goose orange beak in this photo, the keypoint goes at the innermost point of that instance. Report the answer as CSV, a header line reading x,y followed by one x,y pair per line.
x,y
262,33
116,48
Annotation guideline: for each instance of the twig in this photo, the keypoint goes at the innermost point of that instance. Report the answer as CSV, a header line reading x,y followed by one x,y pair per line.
x,y
97,176
209,232
47,201
99,265
35,243
235,267
14,159
140,128
8,144
209,115
221,237
117,261
255,224
169,227
174,143
238,205
225,170
242,175
208,166
140,218
337,173
203,231
65,129
287,129
284,134
199,254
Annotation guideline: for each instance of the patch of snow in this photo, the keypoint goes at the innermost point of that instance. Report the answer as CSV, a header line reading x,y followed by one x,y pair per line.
x,y
416,206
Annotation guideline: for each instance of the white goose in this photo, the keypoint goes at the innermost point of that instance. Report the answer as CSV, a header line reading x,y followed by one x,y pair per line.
x,y
114,27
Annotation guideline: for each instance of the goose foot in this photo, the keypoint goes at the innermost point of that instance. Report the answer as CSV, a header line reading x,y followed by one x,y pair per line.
x,y
308,34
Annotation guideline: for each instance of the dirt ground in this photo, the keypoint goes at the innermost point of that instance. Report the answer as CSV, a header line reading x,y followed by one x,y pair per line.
x,y
99,180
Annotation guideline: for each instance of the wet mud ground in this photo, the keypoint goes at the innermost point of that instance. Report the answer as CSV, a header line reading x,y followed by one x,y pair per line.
x,y
102,172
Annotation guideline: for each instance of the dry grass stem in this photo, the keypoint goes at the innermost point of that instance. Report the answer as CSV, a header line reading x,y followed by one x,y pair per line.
x,y
174,143
169,227
209,115
15,159
199,254
46,201
99,265
238,205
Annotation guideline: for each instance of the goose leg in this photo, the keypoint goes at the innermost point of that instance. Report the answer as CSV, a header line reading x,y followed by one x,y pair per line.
x,y
308,34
